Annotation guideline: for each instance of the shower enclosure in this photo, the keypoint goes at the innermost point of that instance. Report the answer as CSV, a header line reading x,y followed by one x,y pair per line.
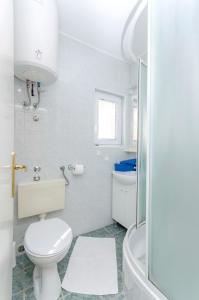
x,y
160,257
142,143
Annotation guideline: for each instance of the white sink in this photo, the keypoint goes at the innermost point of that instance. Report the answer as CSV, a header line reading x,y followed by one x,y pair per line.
x,y
126,178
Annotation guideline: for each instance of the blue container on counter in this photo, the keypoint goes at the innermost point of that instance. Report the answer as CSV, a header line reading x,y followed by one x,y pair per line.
x,y
126,165
129,162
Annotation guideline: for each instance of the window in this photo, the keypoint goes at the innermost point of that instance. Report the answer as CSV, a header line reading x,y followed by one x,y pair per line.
x,y
108,122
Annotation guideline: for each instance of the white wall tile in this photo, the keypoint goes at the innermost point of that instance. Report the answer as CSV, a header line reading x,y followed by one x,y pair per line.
x,y
65,135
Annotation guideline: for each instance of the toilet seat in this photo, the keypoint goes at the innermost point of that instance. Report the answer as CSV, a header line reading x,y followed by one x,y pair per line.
x,y
36,255
47,238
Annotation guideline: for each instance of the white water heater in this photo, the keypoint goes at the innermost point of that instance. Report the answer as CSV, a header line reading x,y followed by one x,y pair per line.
x,y
36,40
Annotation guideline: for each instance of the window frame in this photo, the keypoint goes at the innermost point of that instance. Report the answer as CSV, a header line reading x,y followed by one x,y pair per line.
x,y
118,100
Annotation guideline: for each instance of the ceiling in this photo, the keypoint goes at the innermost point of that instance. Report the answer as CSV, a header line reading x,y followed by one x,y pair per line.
x,y
98,23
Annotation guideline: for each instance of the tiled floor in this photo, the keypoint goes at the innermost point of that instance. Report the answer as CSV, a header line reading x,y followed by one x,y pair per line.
x,y
22,275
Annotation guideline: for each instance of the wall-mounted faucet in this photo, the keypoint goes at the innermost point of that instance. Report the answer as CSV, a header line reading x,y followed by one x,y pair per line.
x,y
36,104
30,89
36,176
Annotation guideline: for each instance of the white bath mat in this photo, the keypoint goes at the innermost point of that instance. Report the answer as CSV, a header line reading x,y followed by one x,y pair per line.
x,y
92,268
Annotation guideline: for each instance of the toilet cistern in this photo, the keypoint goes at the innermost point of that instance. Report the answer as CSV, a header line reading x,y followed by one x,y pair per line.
x,y
39,197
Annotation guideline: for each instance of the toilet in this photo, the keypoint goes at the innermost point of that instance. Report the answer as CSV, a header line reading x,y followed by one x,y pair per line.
x,y
47,241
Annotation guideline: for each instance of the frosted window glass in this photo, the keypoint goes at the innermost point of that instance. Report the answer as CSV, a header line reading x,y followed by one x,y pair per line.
x,y
174,148
106,120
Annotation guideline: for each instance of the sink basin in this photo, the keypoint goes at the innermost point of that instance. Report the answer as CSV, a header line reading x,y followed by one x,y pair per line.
x,y
126,178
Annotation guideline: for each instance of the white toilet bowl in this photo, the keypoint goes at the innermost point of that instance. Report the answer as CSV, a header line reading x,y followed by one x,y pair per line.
x,y
46,243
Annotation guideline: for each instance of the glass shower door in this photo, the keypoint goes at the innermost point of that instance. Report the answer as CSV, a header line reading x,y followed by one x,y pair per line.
x,y
174,148
142,143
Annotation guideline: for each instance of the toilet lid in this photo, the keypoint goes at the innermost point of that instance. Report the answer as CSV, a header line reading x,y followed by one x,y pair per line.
x,y
48,237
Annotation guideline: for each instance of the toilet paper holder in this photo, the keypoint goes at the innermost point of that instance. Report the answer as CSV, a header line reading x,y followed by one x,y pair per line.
x,y
77,169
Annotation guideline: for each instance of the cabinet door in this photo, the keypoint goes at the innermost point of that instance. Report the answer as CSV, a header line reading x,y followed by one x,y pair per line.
x,y
124,203
130,203
118,203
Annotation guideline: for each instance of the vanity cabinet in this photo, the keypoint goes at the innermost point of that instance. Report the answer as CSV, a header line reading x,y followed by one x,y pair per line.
x,y
124,198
